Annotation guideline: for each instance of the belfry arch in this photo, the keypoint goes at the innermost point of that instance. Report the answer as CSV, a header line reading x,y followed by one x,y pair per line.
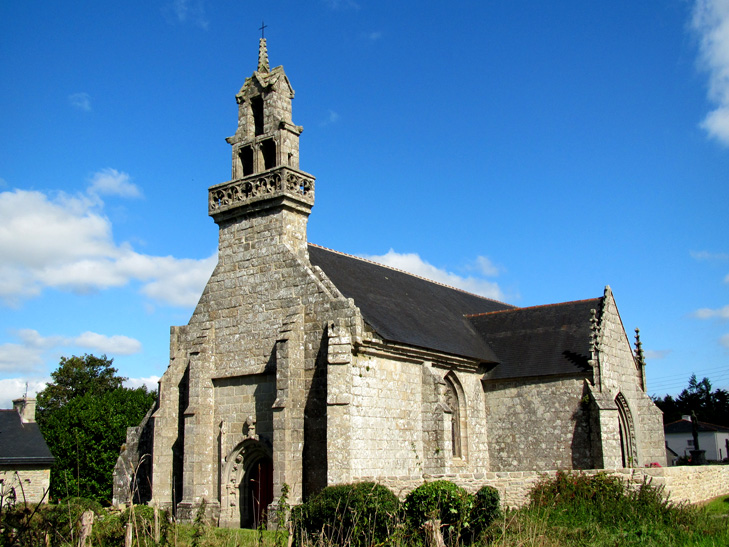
x,y
247,485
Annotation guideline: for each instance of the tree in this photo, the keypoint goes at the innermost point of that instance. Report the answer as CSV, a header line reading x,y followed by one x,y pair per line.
x,y
84,414
710,406
77,376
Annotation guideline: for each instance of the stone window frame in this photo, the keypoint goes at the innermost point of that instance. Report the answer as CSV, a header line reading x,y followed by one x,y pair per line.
x,y
455,399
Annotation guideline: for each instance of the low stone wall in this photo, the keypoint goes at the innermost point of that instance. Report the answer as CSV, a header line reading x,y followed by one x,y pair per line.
x,y
682,484
24,484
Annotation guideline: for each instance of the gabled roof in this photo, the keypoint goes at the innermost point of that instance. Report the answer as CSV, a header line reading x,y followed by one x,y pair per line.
x,y
539,341
22,443
404,308
685,426
521,342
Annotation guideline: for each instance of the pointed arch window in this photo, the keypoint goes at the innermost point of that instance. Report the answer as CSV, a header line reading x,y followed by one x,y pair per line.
x,y
455,400
626,431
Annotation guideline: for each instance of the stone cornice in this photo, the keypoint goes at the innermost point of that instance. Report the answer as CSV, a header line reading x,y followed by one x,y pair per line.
x,y
377,348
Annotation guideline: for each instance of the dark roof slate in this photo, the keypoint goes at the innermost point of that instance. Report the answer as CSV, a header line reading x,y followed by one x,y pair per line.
x,y
685,426
22,444
539,341
404,308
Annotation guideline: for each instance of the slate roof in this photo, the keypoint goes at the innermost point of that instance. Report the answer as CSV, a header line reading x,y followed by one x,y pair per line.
x,y
405,308
22,444
539,341
685,426
402,307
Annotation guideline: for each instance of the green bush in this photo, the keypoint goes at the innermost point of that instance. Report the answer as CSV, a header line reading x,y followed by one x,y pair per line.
x,y
357,514
441,500
486,509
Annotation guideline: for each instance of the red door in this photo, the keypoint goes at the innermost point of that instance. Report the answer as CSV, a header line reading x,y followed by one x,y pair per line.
x,y
260,491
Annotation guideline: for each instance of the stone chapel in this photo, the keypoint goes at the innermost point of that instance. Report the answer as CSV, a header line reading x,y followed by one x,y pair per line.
x,y
308,367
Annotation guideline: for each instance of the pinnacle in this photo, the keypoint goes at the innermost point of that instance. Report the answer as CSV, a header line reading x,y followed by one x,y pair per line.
x,y
262,56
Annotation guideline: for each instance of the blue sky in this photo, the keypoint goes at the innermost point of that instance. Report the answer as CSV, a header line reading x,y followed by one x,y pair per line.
x,y
530,151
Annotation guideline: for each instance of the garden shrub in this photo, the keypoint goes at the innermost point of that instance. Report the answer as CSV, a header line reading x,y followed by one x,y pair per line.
x,y
486,509
357,514
441,500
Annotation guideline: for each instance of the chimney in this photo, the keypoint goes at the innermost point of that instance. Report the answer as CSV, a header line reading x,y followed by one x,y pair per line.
x,y
26,409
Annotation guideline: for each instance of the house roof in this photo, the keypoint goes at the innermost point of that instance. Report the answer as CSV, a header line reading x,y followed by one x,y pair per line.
x,y
539,341
685,426
22,443
405,308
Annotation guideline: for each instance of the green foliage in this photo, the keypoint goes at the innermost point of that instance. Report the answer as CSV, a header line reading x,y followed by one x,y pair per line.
x,y
76,376
621,513
357,514
486,509
440,500
710,406
85,430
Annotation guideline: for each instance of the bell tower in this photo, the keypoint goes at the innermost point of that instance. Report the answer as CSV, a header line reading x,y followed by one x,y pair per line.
x,y
265,173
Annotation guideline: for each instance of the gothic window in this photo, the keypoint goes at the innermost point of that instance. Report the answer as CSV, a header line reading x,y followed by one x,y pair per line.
x,y
626,431
455,401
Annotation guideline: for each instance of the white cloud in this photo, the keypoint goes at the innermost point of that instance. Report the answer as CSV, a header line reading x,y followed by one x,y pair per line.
x,y
374,36
192,11
342,4
706,255
115,345
112,182
32,349
82,101
486,267
657,354
66,243
724,340
332,117
707,313
412,263
711,22
150,382
13,388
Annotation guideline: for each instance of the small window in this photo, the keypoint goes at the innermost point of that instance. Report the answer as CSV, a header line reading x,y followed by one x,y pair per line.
x,y
257,107
246,160
268,149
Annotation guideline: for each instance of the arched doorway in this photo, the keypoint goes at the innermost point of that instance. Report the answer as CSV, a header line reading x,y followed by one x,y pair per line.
x,y
258,491
626,431
247,485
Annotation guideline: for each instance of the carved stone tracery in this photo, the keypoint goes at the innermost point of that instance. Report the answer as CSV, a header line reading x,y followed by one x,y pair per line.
x,y
238,192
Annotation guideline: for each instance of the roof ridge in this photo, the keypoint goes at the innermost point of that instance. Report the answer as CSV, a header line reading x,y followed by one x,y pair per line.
x,y
534,307
410,274
700,423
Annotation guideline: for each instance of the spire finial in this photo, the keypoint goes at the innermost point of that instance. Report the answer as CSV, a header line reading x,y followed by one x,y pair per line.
x,y
262,55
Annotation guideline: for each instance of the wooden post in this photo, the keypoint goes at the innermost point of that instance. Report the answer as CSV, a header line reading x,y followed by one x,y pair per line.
x,y
87,523
156,524
128,535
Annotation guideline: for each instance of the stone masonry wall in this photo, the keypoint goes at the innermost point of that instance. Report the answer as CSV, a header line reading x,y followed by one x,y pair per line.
x,y
385,414
24,484
619,373
537,425
244,361
682,484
